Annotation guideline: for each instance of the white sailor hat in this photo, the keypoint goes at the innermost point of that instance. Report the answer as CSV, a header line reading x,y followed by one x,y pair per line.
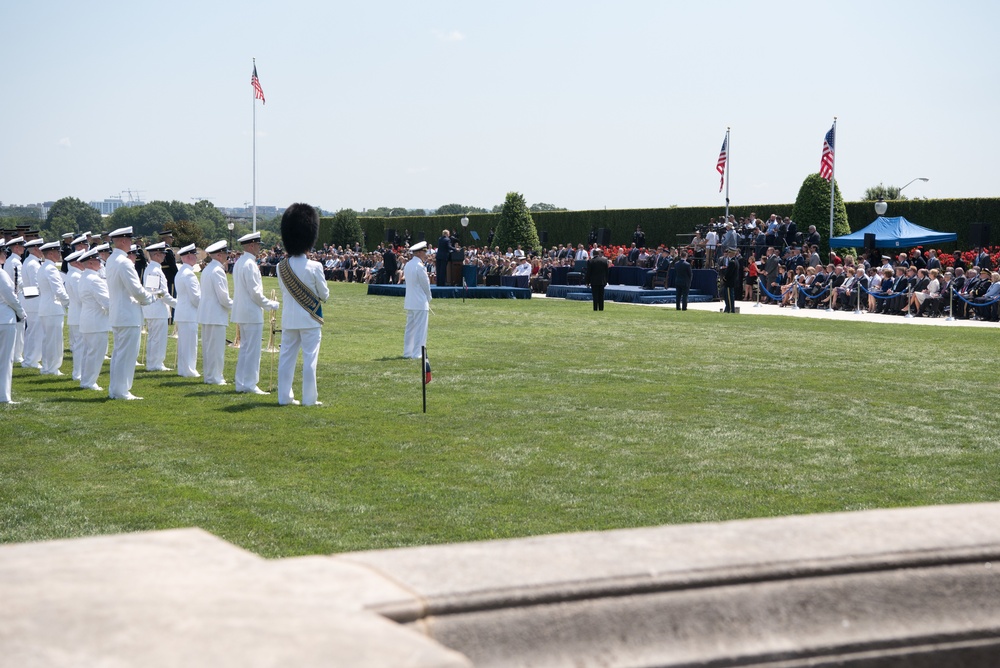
x,y
250,238
102,248
74,256
68,235
190,248
89,255
419,246
121,232
82,239
133,249
15,241
156,247
3,242
52,245
34,242
218,246
88,233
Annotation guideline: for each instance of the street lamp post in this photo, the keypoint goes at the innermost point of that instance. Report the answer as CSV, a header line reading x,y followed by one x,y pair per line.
x,y
881,206
919,178
231,225
465,226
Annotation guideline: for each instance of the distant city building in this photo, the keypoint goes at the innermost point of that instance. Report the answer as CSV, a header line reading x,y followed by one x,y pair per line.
x,y
39,211
109,205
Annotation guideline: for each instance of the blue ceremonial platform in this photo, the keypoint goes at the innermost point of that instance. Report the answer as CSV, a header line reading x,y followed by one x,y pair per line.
x,y
458,292
629,294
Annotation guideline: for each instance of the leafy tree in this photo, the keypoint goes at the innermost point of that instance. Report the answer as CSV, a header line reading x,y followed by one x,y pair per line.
x,y
812,207
83,216
885,192
152,218
542,206
187,232
458,210
515,226
346,229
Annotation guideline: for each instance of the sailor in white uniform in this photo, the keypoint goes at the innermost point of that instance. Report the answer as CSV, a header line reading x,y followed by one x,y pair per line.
x,y
249,303
213,314
417,301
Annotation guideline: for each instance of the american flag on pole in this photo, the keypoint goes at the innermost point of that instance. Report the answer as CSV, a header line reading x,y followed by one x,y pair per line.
x,y
720,167
258,92
826,162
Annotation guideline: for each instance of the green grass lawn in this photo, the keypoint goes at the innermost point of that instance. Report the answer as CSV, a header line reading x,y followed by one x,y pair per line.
x,y
542,417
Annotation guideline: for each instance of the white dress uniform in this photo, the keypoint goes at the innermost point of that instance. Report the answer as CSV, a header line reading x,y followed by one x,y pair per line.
x,y
213,315
72,282
157,315
186,318
16,273
10,312
32,331
417,303
300,331
248,304
52,303
95,307
127,296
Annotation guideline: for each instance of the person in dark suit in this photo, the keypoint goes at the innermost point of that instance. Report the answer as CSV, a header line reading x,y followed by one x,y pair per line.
x,y
682,281
597,277
731,275
444,249
639,238
389,265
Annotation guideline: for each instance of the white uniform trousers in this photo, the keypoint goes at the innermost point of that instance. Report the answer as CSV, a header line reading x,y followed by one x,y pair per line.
x,y
187,349
76,349
52,344
8,335
19,342
415,335
93,350
123,359
248,362
32,341
156,344
292,340
213,353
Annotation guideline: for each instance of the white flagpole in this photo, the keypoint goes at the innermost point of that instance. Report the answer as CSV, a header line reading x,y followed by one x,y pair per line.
x,y
729,159
253,101
833,174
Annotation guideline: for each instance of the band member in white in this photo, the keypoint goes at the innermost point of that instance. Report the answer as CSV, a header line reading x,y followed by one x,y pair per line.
x,y
417,301
16,273
95,306
127,299
157,314
248,304
213,314
303,291
29,290
74,272
52,303
186,314
11,317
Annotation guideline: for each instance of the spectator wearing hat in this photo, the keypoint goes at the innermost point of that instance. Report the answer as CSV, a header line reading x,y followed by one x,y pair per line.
x,y
11,317
416,302
29,282
12,267
126,299
213,314
157,314
95,306
303,292
249,303
186,313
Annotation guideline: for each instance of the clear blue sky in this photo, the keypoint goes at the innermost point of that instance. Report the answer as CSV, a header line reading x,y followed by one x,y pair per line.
x,y
418,104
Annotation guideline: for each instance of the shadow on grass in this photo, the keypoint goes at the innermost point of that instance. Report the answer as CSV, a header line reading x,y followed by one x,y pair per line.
x,y
397,358
182,383
242,408
82,400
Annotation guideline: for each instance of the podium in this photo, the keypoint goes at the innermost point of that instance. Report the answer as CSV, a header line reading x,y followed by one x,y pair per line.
x,y
455,261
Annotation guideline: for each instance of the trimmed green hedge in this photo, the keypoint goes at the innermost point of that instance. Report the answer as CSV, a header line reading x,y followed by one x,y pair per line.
x,y
674,225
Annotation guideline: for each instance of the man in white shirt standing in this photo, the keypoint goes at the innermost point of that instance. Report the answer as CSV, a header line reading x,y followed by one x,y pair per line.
x,y
303,291
186,314
417,302
14,270
29,290
95,305
127,297
249,303
213,314
157,314
52,303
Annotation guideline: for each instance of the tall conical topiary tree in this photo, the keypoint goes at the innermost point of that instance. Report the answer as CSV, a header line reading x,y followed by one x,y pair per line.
x,y
515,226
812,207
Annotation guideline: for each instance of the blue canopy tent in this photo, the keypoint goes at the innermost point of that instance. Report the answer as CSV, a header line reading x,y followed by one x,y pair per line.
x,y
893,233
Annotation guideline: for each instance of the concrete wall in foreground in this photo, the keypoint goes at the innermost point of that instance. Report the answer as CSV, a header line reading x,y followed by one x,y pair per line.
x,y
907,587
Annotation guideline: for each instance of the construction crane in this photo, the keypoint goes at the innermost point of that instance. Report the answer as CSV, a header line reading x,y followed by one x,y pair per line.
x,y
133,196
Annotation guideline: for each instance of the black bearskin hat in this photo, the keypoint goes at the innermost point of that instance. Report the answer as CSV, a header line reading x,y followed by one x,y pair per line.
x,y
299,228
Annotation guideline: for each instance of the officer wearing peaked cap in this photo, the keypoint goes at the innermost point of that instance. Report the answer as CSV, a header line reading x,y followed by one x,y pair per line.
x,y
127,297
186,313
213,314
249,303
